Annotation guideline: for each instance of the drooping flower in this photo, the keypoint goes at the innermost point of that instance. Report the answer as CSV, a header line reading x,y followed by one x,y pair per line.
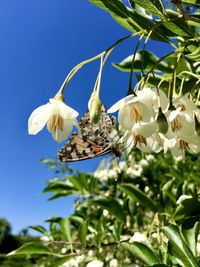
x,y
136,119
150,97
58,116
181,124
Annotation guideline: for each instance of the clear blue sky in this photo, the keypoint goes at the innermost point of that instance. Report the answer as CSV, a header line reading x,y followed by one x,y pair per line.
x,y
41,41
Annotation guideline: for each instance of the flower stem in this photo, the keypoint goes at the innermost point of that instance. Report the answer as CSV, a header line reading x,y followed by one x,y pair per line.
x,y
81,64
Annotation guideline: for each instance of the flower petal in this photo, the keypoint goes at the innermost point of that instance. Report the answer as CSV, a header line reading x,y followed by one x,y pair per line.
x,y
64,110
39,118
149,96
145,129
121,103
59,135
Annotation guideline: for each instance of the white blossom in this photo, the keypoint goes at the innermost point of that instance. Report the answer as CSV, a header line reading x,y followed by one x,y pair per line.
x,y
59,118
138,237
113,263
95,263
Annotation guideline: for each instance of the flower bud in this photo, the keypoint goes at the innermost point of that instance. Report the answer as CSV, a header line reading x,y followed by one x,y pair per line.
x,y
94,106
162,122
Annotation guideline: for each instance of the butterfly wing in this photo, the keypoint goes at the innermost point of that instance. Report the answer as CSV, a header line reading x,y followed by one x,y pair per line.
x,y
95,139
79,148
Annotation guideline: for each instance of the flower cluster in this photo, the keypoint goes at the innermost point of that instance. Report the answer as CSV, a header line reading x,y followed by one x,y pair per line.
x,y
129,168
148,122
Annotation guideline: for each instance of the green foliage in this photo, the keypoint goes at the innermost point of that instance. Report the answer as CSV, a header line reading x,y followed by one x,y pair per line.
x,y
136,219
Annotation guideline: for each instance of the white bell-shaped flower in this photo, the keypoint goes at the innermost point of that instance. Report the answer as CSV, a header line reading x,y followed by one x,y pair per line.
x,y
185,104
59,118
150,97
181,124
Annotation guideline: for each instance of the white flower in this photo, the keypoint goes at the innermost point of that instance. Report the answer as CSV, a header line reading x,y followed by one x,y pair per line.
x,y
181,124
70,263
59,118
123,165
138,237
112,174
91,253
45,239
74,262
137,118
150,97
143,162
113,263
105,213
185,104
95,263
101,174
150,157
133,172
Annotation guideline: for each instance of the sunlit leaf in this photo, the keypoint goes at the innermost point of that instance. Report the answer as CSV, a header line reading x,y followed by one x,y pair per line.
x,y
66,229
40,229
190,230
119,12
83,232
32,248
154,7
142,252
136,194
144,60
179,247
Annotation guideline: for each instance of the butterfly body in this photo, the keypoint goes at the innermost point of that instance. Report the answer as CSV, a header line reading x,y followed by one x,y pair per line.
x,y
94,139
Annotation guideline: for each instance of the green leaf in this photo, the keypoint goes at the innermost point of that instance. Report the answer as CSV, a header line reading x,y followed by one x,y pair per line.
x,y
113,206
136,194
158,265
54,219
195,55
178,26
142,252
119,12
188,207
179,248
39,229
32,248
58,262
143,60
82,234
154,7
77,183
57,187
130,19
66,229
190,230
61,194
191,1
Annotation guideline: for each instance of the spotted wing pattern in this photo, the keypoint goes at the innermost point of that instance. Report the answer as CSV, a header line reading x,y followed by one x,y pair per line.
x,y
94,139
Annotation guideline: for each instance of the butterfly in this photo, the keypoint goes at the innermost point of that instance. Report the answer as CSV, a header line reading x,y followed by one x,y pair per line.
x,y
94,139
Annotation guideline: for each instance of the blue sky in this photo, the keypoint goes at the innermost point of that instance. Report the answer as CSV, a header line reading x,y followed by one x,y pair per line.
x,y
41,41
